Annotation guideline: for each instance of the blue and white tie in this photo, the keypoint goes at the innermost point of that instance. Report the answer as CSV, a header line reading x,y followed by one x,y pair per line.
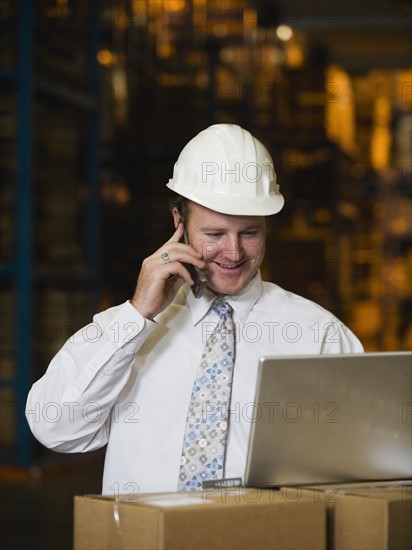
x,y
203,453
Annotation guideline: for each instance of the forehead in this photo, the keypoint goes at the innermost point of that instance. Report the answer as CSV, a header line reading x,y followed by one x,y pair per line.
x,y
202,216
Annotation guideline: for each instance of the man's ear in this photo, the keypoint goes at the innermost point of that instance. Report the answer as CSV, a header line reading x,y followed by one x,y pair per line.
x,y
176,217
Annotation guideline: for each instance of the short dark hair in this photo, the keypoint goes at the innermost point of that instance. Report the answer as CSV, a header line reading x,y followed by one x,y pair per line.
x,y
182,204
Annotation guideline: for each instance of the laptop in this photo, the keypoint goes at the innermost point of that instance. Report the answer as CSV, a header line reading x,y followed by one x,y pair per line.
x,y
331,418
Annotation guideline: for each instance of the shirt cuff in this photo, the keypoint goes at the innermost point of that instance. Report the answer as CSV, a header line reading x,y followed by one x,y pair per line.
x,y
128,329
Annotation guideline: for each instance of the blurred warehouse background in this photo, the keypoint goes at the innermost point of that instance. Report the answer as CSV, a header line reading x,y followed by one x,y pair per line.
x,y
97,98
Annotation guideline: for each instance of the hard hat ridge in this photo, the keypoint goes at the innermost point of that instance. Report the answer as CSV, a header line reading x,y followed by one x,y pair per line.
x,y
228,170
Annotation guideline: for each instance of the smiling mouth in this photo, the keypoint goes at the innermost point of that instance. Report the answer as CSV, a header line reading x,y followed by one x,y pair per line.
x,y
226,266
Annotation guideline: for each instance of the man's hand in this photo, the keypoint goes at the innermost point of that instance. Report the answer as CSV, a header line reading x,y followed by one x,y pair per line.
x,y
160,278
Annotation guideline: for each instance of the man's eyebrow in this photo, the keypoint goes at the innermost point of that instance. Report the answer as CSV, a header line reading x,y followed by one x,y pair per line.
x,y
216,229
212,228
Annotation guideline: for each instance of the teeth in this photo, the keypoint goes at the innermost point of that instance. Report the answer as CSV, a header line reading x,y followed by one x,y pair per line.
x,y
228,266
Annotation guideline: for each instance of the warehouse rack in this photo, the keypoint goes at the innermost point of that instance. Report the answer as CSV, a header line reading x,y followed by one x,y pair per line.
x,y
33,264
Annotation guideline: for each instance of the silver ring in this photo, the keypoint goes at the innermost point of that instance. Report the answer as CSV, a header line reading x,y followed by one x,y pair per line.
x,y
165,257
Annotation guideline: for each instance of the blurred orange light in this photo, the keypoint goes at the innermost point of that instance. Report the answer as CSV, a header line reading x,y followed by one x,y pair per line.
x,y
284,32
174,5
104,57
220,30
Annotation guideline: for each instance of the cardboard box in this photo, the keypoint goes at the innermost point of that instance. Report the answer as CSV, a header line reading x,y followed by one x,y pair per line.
x,y
237,518
367,516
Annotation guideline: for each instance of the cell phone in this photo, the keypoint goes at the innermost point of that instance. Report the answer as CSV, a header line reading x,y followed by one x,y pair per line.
x,y
198,276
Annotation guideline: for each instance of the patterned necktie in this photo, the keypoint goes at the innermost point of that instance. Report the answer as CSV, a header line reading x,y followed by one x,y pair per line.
x,y
204,442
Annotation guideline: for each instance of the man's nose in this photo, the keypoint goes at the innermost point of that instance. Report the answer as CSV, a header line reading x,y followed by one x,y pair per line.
x,y
232,249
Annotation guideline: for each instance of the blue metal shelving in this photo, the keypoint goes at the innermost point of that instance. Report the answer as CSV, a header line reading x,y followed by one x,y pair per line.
x,y
19,273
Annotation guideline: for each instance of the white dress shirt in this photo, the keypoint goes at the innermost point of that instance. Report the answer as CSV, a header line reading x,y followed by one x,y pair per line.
x,y
126,382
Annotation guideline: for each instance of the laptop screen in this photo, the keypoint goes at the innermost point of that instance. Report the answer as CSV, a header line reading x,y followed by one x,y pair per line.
x,y
332,418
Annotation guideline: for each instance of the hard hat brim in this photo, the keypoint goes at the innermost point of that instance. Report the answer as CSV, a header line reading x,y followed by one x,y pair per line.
x,y
235,205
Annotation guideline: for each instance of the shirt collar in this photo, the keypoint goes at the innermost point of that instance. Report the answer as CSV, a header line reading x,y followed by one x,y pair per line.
x,y
241,303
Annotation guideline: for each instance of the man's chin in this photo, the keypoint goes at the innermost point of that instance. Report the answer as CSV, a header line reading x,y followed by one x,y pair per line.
x,y
228,288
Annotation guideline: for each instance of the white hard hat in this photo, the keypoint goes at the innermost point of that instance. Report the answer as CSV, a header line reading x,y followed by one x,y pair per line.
x,y
226,169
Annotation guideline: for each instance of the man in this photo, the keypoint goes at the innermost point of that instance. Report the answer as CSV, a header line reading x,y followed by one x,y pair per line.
x,y
133,379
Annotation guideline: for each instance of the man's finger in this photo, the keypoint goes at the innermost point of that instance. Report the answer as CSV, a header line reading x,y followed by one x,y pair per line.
x,y
178,234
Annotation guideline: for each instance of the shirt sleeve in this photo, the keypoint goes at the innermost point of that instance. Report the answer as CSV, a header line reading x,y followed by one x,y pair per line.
x,y
68,408
337,337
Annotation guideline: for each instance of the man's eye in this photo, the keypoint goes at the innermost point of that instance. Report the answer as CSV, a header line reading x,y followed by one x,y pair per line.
x,y
214,235
250,233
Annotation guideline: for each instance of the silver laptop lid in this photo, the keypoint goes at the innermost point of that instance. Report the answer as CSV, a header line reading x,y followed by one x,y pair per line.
x,y
332,418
